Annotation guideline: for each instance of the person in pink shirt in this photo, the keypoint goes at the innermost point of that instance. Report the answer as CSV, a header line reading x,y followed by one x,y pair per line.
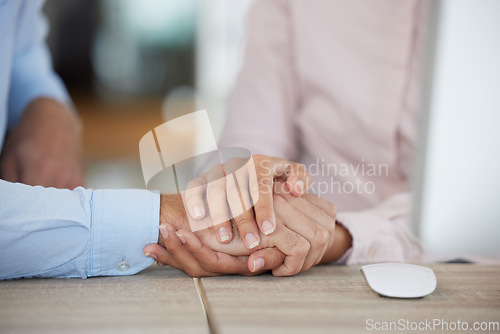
x,y
332,85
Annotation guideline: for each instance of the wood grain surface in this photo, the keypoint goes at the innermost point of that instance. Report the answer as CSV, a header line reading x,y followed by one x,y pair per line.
x,y
326,299
157,300
337,299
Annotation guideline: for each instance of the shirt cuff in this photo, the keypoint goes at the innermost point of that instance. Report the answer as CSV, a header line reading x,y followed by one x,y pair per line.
x,y
123,223
361,227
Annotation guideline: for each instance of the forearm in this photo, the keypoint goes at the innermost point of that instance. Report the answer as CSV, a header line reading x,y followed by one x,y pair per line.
x,y
47,232
342,241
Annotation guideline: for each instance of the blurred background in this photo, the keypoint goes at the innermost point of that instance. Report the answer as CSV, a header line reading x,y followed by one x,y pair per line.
x,y
123,62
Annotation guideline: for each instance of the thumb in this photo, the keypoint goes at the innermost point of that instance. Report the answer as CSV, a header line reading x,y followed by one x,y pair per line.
x,y
265,259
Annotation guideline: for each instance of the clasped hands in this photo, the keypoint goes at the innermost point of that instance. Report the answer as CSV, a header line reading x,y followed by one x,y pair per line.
x,y
287,231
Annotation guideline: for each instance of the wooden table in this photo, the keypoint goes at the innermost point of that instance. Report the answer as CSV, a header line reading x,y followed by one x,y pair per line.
x,y
326,299
157,300
330,299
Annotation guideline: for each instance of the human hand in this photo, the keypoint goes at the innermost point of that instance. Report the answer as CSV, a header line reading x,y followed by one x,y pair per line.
x,y
252,181
310,215
44,148
182,249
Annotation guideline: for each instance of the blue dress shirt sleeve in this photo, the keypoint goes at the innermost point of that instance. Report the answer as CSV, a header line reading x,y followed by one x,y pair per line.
x,y
31,73
47,232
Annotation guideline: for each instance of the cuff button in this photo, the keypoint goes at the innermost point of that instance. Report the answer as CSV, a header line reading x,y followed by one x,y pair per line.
x,y
123,266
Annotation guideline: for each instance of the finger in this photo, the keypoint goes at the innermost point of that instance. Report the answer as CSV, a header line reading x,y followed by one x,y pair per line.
x,y
219,213
316,235
312,206
245,221
174,243
217,201
329,208
242,178
319,210
298,179
265,259
247,228
235,206
224,232
263,182
214,262
234,187
294,246
195,190
318,215
161,255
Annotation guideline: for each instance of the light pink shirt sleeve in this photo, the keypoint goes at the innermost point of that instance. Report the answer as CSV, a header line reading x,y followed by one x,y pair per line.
x,y
382,233
262,104
336,81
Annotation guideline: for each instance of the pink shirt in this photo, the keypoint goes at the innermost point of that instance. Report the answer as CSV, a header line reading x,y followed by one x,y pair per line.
x,y
334,85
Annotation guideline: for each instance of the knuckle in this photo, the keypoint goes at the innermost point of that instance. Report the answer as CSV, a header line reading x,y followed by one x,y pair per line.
x,y
244,223
302,247
322,235
276,259
294,270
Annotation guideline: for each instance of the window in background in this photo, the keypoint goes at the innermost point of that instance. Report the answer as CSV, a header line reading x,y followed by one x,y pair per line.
x,y
144,47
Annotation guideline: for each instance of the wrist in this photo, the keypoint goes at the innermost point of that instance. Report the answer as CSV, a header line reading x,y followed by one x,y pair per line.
x,y
342,241
171,211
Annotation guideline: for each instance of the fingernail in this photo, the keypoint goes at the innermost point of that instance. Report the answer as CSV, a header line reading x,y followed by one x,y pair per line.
x,y
223,234
181,238
153,256
163,231
160,264
299,187
251,240
197,214
268,227
258,264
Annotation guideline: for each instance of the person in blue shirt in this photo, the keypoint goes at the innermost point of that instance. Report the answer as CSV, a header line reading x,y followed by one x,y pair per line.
x,y
48,230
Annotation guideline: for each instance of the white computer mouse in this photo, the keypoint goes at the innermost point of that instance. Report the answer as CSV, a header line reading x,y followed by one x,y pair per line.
x,y
400,280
